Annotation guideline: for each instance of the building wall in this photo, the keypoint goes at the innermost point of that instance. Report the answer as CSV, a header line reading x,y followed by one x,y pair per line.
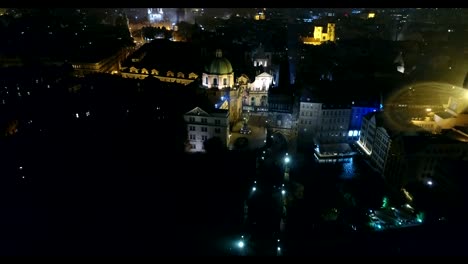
x,y
380,148
367,136
322,124
107,65
422,165
208,80
169,76
201,128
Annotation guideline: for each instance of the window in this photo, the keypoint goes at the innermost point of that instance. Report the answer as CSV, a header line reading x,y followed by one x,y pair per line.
x,y
204,137
204,129
204,120
217,122
225,81
191,119
217,130
191,128
193,146
192,136
206,80
215,82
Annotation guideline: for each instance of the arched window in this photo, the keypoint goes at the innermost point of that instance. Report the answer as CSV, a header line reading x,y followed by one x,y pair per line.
x,y
225,81
206,80
215,81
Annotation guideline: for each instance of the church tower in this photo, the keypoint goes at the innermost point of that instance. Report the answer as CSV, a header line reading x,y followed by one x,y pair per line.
x,y
331,32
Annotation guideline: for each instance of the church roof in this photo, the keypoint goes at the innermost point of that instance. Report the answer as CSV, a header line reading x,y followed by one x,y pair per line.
x,y
219,65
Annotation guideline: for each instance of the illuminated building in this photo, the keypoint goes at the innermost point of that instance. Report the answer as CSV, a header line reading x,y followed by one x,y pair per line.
x,y
161,59
219,73
109,64
455,113
421,157
155,15
260,16
320,36
402,153
203,125
323,123
255,97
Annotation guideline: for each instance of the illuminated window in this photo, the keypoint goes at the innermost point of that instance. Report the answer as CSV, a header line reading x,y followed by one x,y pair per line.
x,y
133,70
144,71
180,75
193,76
170,74
154,72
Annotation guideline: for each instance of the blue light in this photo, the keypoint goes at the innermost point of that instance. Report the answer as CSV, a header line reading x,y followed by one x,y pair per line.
x,y
381,106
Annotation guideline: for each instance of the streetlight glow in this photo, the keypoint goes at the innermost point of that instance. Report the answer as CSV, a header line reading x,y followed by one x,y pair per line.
x,y
240,244
287,159
283,192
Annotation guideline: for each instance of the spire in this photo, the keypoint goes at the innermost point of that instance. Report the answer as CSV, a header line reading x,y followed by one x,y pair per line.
x,y
219,53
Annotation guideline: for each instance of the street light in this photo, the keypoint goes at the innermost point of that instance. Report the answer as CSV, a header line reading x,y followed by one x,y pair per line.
x,y
283,192
287,159
240,244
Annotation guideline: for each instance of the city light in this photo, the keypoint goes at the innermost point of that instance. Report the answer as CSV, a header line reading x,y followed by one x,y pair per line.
x,y
240,244
279,249
286,159
283,192
254,189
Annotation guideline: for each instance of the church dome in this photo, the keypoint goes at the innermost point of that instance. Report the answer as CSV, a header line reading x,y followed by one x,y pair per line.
x,y
219,66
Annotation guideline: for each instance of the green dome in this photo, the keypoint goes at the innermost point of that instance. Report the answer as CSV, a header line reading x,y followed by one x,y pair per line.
x,y
219,65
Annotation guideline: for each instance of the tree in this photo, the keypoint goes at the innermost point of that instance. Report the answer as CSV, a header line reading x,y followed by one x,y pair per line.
x,y
214,145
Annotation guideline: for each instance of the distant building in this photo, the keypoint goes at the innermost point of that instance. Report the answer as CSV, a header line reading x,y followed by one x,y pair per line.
x,y
110,64
203,125
405,153
219,73
320,36
165,60
455,113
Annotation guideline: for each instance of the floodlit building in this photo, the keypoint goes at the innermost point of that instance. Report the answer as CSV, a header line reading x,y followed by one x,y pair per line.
x,y
255,97
203,125
219,73
320,36
161,59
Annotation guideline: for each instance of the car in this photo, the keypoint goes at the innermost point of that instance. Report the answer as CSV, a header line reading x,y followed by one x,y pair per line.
x,y
245,130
